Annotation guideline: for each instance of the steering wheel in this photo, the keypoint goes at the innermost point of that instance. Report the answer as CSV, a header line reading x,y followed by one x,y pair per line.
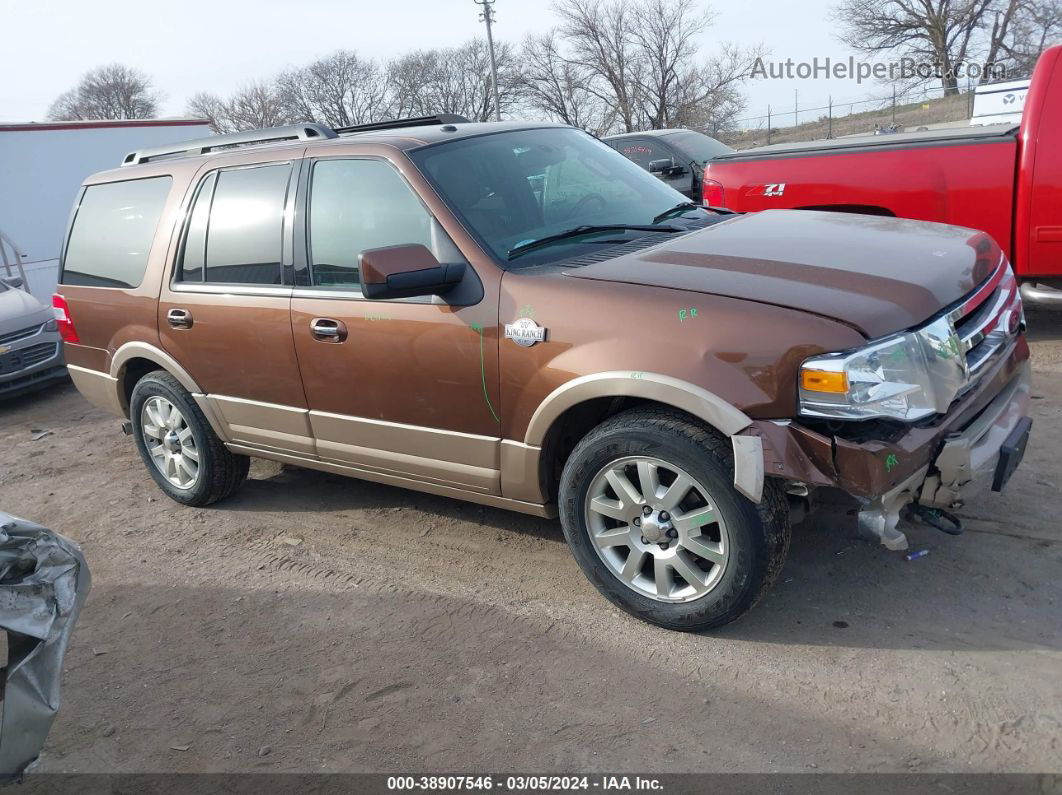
x,y
586,204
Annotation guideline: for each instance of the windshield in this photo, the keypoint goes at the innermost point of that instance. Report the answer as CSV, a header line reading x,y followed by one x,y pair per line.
x,y
514,187
701,148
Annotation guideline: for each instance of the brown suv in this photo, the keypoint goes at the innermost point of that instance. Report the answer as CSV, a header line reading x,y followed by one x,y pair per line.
x,y
517,315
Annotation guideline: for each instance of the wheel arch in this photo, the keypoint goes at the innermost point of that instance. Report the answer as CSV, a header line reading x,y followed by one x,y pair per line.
x,y
133,360
571,410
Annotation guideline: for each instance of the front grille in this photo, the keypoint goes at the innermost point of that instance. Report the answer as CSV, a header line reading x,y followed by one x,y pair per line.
x,y
21,334
27,357
987,319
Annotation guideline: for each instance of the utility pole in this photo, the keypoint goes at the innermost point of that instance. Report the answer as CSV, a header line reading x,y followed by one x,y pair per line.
x,y
487,16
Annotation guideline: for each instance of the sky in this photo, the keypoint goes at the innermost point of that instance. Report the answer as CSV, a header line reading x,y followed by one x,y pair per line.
x,y
219,45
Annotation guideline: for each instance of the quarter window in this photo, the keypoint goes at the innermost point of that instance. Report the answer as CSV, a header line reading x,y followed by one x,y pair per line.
x,y
112,233
357,205
235,230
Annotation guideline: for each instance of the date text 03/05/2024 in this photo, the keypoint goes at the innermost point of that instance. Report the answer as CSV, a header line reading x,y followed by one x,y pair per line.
x,y
522,783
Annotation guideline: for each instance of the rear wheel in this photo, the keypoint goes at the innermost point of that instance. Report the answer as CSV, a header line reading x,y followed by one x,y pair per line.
x,y
179,448
650,511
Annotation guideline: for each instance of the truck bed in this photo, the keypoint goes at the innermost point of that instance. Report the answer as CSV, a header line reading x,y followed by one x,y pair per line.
x,y
943,136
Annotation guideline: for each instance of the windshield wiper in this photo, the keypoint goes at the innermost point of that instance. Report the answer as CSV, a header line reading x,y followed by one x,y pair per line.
x,y
684,206
587,229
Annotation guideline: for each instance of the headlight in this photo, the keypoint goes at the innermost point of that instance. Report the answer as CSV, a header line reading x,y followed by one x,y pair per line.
x,y
905,377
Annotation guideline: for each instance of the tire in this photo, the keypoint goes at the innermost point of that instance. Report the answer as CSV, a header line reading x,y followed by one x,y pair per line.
x,y
744,544
218,472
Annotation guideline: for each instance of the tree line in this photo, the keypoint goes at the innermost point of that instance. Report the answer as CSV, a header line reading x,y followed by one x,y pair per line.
x,y
608,66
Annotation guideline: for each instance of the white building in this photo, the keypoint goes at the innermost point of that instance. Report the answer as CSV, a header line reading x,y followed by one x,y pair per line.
x,y
41,167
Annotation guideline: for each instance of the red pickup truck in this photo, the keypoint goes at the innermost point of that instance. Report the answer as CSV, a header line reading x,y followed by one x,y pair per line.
x,y
1003,179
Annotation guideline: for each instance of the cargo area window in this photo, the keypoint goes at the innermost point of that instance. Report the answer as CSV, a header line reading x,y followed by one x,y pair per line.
x,y
235,229
361,204
114,225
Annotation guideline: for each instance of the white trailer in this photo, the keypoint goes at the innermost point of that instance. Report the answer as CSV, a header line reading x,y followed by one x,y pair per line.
x,y
41,167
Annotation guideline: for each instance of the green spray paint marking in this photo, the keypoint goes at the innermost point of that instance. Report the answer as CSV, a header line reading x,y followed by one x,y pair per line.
x,y
687,314
891,462
476,327
527,311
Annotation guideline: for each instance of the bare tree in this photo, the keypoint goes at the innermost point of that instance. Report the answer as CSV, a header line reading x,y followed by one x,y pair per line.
x,y
339,90
254,106
949,34
559,88
1035,25
107,92
642,63
454,80
599,33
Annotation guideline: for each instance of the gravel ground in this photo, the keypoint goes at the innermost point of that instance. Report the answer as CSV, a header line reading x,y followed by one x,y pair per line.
x,y
314,623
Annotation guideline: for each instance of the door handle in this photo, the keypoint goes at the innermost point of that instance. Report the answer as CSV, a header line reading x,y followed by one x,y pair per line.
x,y
324,329
179,318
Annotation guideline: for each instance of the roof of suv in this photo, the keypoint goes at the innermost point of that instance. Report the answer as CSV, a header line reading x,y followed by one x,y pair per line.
x,y
402,136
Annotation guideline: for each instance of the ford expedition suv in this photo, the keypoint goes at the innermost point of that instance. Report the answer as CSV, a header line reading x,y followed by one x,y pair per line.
x,y
517,315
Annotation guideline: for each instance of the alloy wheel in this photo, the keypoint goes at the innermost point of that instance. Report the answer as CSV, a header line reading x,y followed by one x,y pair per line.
x,y
170,442
657,529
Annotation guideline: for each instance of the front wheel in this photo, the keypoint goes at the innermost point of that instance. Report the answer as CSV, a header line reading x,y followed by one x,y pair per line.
x,y
649,509
179,448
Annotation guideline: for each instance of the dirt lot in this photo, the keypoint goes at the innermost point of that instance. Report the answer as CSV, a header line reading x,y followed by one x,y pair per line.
x,y
313,623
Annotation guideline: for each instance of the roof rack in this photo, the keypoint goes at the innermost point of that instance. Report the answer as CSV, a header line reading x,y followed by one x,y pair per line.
x,y
413,121
294,132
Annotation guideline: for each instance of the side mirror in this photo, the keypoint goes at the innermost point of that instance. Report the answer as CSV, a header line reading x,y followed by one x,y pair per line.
x,y
666,167
406,271
14,282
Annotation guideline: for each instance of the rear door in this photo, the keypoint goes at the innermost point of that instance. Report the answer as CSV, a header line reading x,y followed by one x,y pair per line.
x,y
224,313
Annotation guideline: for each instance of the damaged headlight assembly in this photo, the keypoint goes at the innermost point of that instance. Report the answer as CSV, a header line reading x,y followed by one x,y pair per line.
x,y
904,377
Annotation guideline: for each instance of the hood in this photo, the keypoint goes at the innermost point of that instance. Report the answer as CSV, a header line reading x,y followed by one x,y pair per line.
x,y
19,309
876,274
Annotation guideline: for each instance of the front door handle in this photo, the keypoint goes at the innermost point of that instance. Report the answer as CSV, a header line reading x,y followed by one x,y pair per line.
x,y
324,329
179,318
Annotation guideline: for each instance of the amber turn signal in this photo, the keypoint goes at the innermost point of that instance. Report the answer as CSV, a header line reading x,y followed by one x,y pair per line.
x,y
824,381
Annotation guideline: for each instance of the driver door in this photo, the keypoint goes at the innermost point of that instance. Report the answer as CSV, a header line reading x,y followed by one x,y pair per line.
x,y
400,387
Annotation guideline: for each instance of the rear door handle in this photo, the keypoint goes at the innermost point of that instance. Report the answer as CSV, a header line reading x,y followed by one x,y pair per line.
x,y
324,329
179,318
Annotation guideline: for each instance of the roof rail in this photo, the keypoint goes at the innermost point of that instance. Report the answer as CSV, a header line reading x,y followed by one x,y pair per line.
x,y
293,132
413,121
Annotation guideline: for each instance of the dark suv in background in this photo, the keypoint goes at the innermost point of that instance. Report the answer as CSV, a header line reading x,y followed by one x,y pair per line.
x,y
677,157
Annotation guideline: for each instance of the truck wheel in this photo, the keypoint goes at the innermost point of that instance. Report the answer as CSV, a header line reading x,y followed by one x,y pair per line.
x,y
179,448
649,509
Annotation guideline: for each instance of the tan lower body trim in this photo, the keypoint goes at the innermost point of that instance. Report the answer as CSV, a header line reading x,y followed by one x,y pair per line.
x,y
520,472
349,470
267,424
98,388
462,460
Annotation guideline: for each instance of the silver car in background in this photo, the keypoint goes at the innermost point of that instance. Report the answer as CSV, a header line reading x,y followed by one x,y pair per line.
x,y
30,351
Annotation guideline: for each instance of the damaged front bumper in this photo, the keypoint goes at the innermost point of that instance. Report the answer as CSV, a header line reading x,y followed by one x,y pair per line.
x,y
973,448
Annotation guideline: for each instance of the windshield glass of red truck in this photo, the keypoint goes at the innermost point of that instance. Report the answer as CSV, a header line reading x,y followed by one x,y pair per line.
x,y
512,188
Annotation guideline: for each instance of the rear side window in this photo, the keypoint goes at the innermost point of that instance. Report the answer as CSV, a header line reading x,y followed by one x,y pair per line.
x,y
113,228
235,230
